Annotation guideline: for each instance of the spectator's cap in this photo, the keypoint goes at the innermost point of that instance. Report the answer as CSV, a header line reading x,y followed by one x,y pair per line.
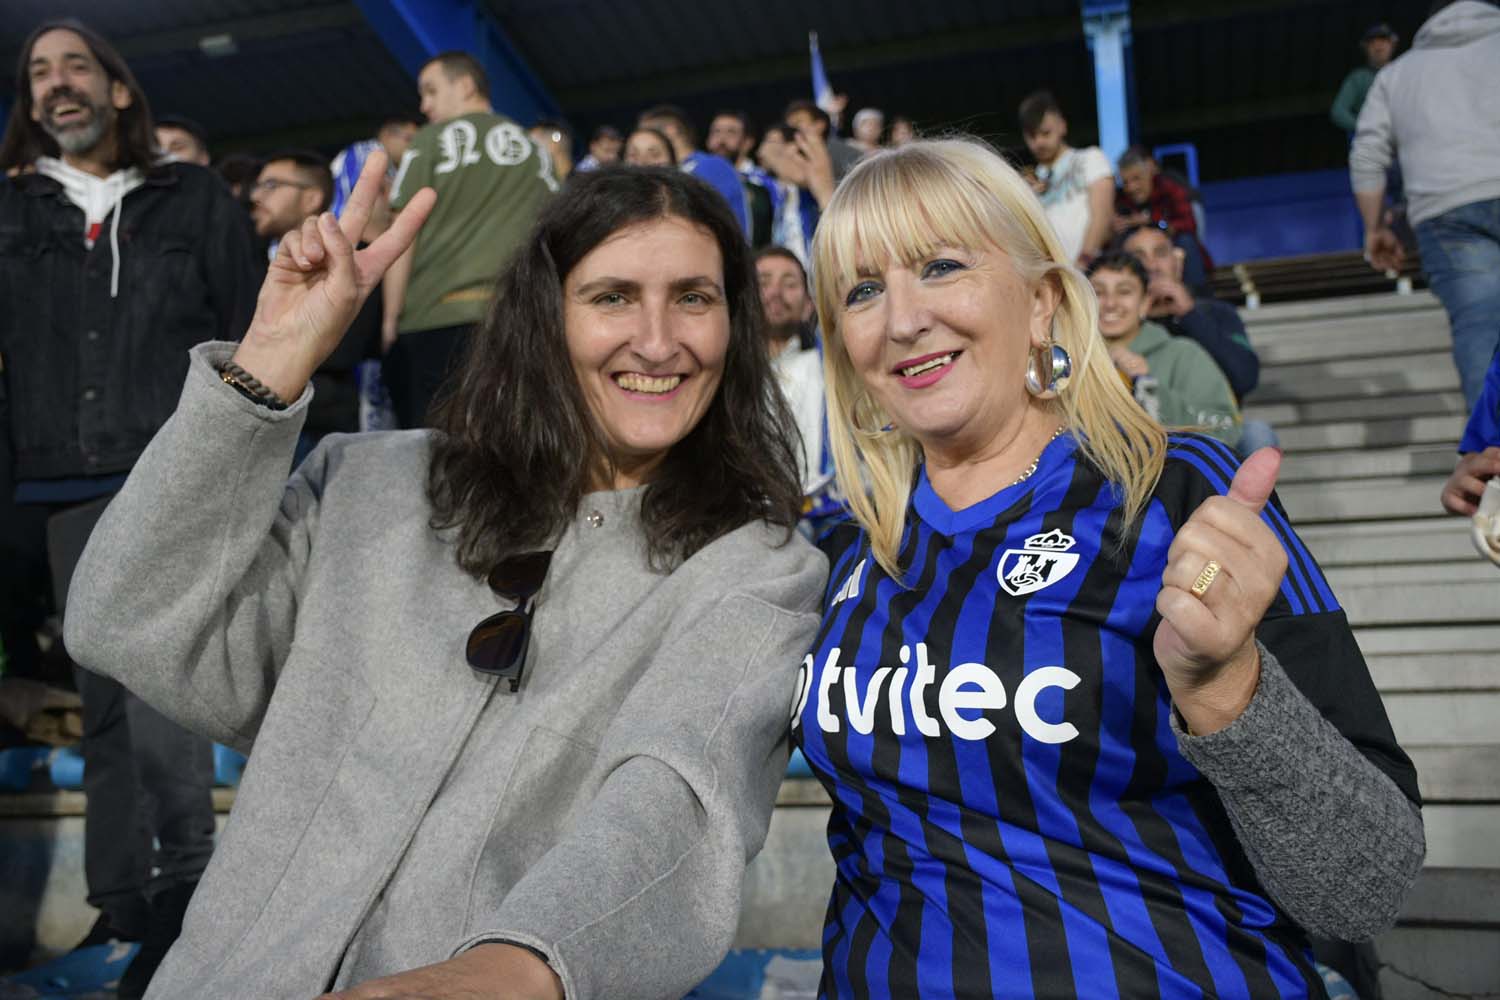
x,y
1381,30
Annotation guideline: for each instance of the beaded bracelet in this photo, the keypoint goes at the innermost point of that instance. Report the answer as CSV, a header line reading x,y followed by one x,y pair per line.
x,y
250,387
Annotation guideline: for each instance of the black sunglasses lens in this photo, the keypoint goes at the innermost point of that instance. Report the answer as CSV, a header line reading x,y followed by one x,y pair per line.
x,y
521,576
498,643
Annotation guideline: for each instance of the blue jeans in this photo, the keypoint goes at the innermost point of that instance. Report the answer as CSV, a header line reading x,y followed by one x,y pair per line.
x,y
1461,255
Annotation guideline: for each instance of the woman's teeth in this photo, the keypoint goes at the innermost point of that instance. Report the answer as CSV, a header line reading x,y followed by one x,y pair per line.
x,y
632,382
928,365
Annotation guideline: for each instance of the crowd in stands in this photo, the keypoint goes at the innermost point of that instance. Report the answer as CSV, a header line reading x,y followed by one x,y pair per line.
x,y
202,238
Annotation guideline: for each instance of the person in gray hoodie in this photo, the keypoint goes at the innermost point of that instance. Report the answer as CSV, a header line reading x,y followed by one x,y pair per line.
x,y
1435,110
559,800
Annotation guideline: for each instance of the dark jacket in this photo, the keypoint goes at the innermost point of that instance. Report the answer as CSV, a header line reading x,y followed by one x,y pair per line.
x,y
1217,327
90,378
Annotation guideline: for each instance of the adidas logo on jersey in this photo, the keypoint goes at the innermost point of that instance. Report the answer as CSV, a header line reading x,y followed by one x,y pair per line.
x,y
971,688
850,590
1042,561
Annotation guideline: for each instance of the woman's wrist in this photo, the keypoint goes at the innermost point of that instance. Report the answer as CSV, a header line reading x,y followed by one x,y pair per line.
x,y
1212,701
274,367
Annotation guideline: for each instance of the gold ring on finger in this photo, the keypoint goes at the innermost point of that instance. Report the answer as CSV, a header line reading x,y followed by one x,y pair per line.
x,y
1205,578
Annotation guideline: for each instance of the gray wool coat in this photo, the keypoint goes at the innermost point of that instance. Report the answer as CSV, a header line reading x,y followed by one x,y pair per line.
x,y
398,807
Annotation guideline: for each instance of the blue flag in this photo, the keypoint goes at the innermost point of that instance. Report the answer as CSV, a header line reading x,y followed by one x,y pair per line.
x,y
822,89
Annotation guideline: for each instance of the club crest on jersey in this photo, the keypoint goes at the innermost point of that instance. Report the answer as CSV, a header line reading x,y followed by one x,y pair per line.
x,y
1041,562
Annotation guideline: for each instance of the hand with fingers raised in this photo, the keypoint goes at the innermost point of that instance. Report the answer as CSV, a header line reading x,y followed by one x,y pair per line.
x,y
1223,572
318,281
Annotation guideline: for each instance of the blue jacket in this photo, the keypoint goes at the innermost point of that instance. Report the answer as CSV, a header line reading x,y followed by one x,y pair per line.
x,y
1218,329
720,174
1484,423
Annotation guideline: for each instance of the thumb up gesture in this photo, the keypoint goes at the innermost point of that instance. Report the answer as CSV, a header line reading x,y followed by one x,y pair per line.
x,y
1223,571
318,281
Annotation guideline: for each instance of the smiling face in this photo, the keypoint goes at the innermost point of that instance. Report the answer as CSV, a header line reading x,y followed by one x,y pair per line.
x,y
942,344
783,295
1122,304
72,97
647,326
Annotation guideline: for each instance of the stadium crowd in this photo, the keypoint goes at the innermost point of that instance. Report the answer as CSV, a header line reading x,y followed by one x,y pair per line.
x,y
210,583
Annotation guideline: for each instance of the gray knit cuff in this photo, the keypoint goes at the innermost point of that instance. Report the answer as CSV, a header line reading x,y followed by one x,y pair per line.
x,y
1252,751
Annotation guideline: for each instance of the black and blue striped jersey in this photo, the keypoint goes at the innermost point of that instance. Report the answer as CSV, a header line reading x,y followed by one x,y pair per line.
x,y
1011,815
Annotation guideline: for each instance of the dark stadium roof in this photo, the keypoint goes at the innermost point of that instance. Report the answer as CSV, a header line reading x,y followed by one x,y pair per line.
x,y
1249,81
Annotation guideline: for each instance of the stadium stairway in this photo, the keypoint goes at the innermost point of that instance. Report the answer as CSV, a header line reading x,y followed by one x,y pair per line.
x,y
1365,398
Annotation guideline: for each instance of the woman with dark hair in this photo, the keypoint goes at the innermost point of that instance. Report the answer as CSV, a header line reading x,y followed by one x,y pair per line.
x,y
649,147
559,799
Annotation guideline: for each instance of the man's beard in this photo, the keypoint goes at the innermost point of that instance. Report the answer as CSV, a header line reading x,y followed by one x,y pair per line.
x,y
781,333
83,137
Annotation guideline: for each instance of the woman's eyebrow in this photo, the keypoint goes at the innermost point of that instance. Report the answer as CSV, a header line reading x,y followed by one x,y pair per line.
x,y
607,284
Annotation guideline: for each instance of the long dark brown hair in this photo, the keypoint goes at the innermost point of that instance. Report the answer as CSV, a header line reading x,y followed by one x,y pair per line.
x,y
518,442
25,140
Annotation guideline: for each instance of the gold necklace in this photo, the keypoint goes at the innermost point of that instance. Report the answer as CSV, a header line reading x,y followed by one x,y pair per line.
x,y
1031,469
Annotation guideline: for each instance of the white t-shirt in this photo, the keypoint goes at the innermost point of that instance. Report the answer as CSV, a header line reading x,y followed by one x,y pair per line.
x,y
800,372
1067,196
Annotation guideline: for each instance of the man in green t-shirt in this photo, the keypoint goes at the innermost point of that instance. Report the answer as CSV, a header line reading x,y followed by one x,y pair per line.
x,y
491,181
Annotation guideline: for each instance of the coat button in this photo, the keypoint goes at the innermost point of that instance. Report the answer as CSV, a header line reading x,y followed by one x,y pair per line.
x,y
89,395
92,335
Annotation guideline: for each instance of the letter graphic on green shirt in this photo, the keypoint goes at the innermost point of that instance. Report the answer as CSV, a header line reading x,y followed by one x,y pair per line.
x,y
491,181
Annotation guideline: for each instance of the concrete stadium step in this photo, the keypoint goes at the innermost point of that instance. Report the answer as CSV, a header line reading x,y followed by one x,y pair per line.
x,y
1337,467
1286,414
1432,540
1364,499
1416,594
1462,773
1416,641
1356,378
1444,429
1283,315
1444,718
1397,336
1447,941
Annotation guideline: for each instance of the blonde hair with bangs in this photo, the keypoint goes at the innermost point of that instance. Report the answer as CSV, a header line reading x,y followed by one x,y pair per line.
x,y
898,206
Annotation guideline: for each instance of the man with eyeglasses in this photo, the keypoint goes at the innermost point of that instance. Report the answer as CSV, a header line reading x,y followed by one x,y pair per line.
x,y
293,185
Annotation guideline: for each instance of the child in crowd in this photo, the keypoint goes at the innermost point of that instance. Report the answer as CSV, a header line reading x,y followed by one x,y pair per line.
x,y
1172,377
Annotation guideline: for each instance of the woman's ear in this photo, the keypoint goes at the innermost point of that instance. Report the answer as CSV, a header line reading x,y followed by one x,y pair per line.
x,y
1046,296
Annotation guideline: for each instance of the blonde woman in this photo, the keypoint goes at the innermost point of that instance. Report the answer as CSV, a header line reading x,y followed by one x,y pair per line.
x,y
1092,721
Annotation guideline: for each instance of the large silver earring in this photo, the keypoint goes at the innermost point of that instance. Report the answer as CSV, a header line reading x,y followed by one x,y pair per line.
x,y
864,407
1047,371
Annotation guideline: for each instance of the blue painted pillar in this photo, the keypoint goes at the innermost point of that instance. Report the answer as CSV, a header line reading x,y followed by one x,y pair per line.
x,y
417,30
1106,26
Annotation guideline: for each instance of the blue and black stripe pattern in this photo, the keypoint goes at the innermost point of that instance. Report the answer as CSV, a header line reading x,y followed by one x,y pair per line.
x,y
1011,815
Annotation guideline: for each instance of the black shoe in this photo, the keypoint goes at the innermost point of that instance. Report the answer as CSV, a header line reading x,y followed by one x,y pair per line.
x,y
162,929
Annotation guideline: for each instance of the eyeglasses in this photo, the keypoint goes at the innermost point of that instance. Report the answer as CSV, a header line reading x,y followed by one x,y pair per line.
x,y
498,644
272,183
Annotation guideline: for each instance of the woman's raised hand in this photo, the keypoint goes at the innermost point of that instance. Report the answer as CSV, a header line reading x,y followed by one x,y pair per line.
x,y
1223,571
318,281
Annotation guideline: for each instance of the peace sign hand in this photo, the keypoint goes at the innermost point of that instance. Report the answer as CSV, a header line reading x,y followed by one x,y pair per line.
x,y
1205,644
318,281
